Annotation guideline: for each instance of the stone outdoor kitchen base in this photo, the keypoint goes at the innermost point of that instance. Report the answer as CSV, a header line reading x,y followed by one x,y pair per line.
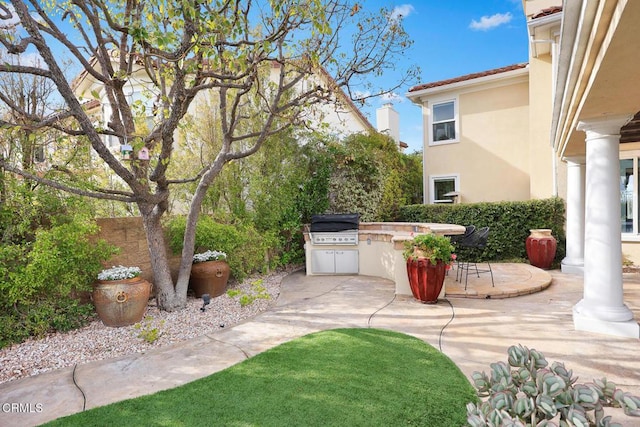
x,y
380,246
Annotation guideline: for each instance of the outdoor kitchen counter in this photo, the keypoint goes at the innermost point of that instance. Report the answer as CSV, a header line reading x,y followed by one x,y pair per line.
x,y
380,247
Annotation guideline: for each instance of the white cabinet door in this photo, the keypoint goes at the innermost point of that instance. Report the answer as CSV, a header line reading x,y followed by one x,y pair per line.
x,y
347,261
334,261
323,261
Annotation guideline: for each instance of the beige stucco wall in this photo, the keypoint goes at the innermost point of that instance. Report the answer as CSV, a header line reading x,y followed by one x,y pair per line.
x,y
541,154
491,158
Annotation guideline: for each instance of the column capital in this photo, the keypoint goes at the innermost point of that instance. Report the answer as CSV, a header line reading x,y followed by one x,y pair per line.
x,y
606,125
576,160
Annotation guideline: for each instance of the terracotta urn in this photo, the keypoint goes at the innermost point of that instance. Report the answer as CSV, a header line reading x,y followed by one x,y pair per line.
x,y
209,277
426,279
121,302
541,248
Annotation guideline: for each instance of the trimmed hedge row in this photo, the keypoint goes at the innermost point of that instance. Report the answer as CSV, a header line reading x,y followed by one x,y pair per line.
x,y
509,223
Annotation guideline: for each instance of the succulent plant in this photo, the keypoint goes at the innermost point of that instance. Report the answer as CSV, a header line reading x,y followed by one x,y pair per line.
x,y
525,392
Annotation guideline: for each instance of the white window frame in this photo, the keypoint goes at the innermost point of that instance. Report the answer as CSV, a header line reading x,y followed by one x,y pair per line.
x,y
456,119
634,156
432,186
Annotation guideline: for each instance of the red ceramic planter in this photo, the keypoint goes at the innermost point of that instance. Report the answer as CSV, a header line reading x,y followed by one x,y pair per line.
x,y
426,279
541,248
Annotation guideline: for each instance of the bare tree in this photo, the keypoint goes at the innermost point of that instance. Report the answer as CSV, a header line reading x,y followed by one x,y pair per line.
x,y
263,54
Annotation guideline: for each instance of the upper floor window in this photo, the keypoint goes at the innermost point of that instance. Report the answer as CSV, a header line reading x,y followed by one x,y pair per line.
x,y
444,123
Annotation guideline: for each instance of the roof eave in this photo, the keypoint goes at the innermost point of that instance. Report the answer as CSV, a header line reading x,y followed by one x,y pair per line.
x,y
417,95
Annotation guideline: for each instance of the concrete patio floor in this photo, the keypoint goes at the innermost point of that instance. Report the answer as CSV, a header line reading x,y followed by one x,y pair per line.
x,y
474,329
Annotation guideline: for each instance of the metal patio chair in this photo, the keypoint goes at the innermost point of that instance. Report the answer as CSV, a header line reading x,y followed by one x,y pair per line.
x,y
475,244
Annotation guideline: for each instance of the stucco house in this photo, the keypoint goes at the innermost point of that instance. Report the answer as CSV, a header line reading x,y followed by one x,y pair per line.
x,y
566,123
339,116
486,134
471,122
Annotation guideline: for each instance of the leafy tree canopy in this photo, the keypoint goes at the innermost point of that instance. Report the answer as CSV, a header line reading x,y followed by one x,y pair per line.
x,y
264,64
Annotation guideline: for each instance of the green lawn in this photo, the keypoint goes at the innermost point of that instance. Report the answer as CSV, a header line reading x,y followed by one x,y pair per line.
x,y
340,377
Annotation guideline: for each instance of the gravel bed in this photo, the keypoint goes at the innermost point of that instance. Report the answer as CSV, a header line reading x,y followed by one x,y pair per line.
x,y
96,341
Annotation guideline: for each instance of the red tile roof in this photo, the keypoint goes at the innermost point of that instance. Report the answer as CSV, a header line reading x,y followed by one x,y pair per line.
x,y
469,77
548,11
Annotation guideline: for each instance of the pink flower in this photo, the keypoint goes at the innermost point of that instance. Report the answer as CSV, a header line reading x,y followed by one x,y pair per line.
x,y
454,257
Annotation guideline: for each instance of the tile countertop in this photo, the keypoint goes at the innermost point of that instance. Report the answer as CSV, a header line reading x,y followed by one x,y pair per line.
x,y
399,232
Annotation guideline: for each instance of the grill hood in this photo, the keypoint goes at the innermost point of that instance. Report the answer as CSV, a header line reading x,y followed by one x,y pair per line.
x,y
334,222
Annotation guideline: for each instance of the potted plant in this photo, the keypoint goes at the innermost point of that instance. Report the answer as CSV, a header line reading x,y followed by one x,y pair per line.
x,y
428,257
120,295
209,273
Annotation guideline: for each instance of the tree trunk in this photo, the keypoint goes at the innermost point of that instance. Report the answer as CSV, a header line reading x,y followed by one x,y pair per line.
x,y
188,242
169,298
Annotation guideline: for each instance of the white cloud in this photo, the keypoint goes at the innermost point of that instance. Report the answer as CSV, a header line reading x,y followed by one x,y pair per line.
x,y
358,95
8,17
490,22
401,11
391,97
32,59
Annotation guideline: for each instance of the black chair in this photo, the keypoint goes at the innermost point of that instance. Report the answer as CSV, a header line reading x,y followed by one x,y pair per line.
x,y
457,238
464,241
474,244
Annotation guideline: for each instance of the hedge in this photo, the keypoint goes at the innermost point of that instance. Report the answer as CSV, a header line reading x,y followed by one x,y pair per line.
x,y
509,223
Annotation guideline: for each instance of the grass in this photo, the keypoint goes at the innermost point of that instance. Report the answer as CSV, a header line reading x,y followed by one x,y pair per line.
x,y
340,377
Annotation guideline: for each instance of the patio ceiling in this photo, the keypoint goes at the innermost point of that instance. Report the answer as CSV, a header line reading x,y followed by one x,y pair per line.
x,y
599,69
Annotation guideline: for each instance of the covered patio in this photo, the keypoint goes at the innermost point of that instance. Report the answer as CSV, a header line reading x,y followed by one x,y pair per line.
x,y
596,95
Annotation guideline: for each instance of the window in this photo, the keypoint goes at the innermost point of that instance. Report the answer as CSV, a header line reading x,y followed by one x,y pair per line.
x,y
444,126
441,185
628,195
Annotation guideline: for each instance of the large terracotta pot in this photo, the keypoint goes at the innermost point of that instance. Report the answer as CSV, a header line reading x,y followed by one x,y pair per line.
x,y
121,302
426,279
541,248
209,277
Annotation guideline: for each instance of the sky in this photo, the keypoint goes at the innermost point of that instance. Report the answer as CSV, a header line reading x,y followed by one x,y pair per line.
x,y
451,38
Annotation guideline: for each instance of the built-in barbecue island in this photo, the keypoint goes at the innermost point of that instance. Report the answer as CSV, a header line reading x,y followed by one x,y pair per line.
x,y
340,244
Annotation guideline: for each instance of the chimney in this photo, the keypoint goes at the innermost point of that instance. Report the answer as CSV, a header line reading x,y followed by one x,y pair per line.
x,y
388,121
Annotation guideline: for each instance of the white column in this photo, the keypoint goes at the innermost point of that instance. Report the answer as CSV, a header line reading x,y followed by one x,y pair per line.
x,y
602,308
573,263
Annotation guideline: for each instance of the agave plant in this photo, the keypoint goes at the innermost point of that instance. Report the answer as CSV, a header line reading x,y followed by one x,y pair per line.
x,y
525,391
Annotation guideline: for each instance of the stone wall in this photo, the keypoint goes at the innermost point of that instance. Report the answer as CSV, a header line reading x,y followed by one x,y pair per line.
x,y
128,234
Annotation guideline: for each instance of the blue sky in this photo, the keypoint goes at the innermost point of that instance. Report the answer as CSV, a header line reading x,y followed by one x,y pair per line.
x,y
453,38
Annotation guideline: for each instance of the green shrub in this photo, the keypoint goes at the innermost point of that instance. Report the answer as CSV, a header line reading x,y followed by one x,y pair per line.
x,y
509,223
245,247
63,260
257,291
370,176
39,208
149,329
40,282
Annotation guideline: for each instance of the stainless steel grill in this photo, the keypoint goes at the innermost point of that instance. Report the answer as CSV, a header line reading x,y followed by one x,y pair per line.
x,y
347,237
334,229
